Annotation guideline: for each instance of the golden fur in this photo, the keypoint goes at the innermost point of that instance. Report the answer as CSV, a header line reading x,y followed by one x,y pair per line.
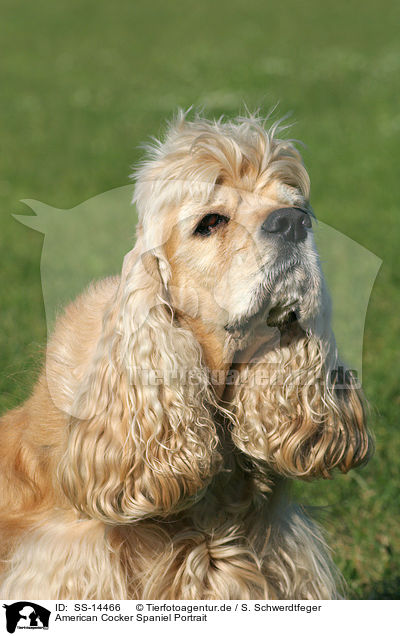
x,y
152,459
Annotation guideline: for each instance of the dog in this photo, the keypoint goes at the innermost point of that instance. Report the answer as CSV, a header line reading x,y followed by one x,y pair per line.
x,y
179,400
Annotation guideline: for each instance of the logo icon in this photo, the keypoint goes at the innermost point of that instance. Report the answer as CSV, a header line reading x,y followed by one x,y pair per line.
x,y
26,615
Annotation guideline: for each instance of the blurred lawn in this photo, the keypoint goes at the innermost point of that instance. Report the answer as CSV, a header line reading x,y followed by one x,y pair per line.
x,y
84,82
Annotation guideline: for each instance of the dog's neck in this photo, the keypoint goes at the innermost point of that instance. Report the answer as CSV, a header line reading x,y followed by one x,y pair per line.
x,y
222,349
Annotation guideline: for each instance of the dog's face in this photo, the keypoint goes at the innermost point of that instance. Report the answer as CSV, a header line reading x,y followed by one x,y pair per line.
x,y
228,208
244,259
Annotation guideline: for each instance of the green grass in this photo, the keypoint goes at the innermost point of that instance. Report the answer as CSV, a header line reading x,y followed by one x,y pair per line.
x,y
84,82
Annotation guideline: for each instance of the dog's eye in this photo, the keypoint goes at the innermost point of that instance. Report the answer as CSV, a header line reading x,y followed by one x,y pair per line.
x,y
210,222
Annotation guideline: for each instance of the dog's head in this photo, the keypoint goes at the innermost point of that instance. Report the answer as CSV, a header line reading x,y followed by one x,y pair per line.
x,y
226,205
224,275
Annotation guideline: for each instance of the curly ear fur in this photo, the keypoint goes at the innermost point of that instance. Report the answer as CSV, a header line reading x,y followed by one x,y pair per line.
x,y
140,445
292,417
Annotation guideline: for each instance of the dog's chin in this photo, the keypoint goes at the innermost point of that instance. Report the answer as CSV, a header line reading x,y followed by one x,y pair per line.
x,y
287,295
268,329
267,317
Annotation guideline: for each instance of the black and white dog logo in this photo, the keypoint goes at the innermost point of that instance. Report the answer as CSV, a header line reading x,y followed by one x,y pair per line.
x,y
26,615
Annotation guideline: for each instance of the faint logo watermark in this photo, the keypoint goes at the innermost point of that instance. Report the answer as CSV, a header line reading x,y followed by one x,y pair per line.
x,y
90,241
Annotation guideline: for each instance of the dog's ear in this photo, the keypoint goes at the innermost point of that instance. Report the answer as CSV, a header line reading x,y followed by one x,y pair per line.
x,y
141,440
300,411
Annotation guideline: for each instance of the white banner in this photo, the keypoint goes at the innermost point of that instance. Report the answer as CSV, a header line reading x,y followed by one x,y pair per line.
x,y
176,617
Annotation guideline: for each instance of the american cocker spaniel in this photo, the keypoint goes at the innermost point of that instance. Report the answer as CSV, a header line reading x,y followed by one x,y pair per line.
x,y
177,401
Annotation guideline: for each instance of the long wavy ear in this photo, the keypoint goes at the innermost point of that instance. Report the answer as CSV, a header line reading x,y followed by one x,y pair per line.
x,y
141,440
299,410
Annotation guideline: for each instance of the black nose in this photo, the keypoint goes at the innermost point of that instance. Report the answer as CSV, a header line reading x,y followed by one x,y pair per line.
x,y
289,223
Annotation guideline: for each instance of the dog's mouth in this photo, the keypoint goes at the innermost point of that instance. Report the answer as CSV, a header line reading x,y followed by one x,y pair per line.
x,y
282,316
269,329
279,301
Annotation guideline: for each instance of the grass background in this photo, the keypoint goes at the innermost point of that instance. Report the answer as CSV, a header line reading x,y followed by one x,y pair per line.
x,y
84,82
